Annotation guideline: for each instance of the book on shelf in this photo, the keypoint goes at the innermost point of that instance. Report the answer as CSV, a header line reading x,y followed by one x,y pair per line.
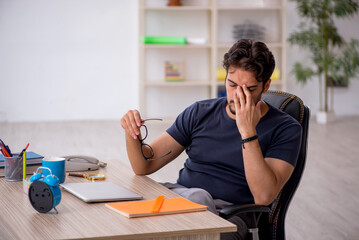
x,y
221,74
143,208
221,91
165,40
31,158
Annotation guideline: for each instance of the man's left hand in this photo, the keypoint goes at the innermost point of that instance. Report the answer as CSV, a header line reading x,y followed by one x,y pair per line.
x,y
248,113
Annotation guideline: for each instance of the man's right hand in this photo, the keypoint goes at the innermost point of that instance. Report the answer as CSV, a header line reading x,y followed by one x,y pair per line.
x,y
132,122
163,144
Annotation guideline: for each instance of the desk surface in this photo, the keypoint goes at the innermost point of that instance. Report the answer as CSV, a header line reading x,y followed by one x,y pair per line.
x,y
78,220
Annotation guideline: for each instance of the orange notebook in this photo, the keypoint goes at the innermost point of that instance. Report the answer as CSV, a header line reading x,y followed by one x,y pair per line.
x,y
143,208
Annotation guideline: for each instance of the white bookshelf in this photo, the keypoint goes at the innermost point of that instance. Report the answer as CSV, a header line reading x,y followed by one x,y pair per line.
x,y
209,19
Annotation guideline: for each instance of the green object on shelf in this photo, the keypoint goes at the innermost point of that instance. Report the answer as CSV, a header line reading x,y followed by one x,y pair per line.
x,y
165,40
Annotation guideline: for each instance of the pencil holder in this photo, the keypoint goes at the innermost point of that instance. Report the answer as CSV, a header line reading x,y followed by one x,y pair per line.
x,y
44,192
13,168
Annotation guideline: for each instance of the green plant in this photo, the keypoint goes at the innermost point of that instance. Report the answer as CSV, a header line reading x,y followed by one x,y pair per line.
x,y
332,57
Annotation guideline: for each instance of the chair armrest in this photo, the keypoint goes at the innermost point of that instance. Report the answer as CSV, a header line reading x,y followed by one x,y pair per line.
x,y
234,210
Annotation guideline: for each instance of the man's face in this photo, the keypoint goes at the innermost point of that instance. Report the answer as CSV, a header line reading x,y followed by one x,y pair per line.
x,y
238,77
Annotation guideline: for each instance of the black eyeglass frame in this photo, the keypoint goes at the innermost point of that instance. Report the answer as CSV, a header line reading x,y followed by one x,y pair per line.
x,y
141,140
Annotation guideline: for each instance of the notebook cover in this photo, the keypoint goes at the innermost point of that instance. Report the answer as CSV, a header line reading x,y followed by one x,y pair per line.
x,y
29,156
143,208
31,159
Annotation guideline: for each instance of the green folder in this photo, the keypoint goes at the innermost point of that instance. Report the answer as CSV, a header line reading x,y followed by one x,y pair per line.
x,y
165,40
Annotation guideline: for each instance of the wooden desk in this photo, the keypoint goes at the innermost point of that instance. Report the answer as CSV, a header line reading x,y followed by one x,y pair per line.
x,y
79,220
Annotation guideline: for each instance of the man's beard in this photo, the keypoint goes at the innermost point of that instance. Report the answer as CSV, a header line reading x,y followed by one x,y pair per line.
x,y
232,109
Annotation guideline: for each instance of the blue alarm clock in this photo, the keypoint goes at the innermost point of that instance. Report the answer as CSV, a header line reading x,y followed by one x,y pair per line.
x,y
44,191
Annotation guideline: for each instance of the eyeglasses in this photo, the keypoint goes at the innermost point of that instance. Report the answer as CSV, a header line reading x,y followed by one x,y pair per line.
x,y
146,149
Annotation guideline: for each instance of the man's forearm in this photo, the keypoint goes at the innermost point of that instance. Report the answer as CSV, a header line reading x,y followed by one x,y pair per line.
x,y
261,179
139,165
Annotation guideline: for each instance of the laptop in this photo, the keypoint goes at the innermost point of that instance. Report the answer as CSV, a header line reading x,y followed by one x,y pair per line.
x,y
100,192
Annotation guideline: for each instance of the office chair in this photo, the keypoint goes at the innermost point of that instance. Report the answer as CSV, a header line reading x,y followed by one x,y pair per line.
x,y
268,222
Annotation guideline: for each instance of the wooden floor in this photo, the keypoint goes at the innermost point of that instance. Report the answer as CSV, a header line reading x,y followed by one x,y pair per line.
x,y
324,207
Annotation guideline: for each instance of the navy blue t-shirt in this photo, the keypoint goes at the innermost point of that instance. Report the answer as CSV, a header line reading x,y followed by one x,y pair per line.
x,y
213,146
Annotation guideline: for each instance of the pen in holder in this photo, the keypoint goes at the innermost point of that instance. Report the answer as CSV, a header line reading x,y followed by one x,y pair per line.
x,y
44,192
25,181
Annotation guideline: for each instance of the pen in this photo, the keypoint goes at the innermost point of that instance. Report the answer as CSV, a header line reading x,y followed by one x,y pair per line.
x,y
8,150
22,152
5,149
24,164
157,204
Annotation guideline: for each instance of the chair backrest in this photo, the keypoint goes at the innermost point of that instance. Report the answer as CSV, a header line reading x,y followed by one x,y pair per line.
x,y
274,224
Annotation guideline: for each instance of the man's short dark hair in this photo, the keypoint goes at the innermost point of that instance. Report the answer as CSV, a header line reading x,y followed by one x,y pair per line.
x,y
252,56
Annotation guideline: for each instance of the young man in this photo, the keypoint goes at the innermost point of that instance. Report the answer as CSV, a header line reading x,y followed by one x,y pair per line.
x,y
240,149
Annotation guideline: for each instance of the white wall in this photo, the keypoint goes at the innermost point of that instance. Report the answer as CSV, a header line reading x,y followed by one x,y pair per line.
x,y
78,59
67,59
346,100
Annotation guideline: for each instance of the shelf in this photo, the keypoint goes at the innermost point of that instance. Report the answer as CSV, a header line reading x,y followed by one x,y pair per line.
x,y
201,46
208,8
219,84
269,45
273,83
248,8
174,46
179,8
213,20
162,83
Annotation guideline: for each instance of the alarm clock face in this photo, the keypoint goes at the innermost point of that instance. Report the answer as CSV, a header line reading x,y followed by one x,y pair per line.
x,y
40,196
